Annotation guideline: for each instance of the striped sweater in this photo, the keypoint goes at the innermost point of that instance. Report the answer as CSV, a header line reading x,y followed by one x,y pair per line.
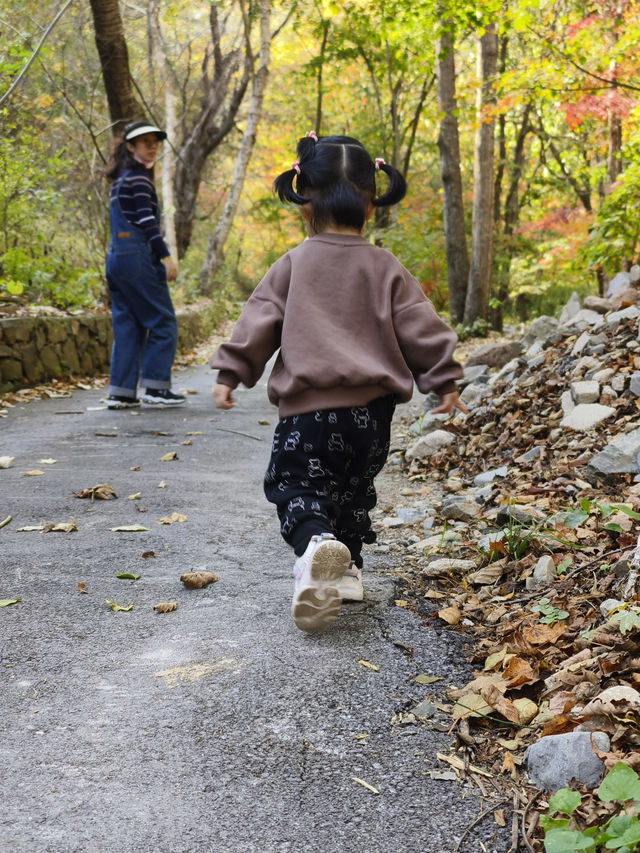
x,y
139,204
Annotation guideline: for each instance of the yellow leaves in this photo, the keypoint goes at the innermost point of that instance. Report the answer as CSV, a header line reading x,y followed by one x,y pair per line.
x,y
450,615
36,472
368,665
102,492
129,528
171,519
6,461
169,457
165,606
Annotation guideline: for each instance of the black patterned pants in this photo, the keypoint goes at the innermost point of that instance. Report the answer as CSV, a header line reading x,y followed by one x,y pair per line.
x,y
322,469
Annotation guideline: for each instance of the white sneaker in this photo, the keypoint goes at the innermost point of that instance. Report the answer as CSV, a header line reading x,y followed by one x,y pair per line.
x,y
350,584
316,600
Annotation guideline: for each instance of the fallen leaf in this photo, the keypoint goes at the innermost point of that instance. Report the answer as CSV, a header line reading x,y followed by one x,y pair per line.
x,y
427,679
365,785
47,461
5,602
6,461
526,709
197,432
470,705
264,422
118,608
450,615
399,602
82,588
367,665
60,527
134,468
101,492
162,484
168,457
135,496
36,472
165,606
170,519
129,528
186,442
146,555
517,671
498,817
30,527
5,521
494,660
198,580
537,635
128,576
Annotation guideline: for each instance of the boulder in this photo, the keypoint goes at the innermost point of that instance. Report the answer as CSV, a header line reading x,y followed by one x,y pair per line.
x,y
618,283
460,508
553,761
570,310
494,355
429,444
586,415
621,456
624,298
541,328
598,304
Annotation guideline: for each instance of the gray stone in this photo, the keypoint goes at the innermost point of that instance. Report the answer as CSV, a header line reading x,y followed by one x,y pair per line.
x,y
489,476
445,566
581,344
553,761
531,454
621,456
391,521
634,384
608,391
566,401
540,329
460,508
472,393
583,319
602,376
494,355
476,373
586,415
410,514
429,444
619,282
630,313
624,298
597,303
424,710
634,273
585,363
430,423
543,575
610,604
585,391
570,310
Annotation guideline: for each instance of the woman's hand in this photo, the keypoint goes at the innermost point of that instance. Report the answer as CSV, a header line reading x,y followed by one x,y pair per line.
x,y
222,396
449,402
171,268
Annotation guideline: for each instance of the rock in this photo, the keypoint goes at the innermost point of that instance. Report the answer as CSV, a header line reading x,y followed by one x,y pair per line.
x,y
533,453
570,309
581,344
585,391
410,514
626,297
597,303
460,508
610,604
634,384
583,319
494,355
618,382
586,415
472,394
630,313
618,283
539,330
543,575
424,710
476,373
602,376
566,401
430,423
526,514
634,273
392,521
621,456
434,541
429,444
489,476
553,761
445,566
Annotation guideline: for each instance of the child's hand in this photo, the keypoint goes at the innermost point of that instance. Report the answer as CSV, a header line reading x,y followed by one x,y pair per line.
x,y
448,402
222,396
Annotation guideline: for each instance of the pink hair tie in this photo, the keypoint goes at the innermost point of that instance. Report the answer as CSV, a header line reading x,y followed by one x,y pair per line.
x,y
378,162
296,167
311,134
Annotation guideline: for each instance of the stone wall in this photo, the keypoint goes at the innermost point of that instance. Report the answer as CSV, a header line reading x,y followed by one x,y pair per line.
x,y
35,349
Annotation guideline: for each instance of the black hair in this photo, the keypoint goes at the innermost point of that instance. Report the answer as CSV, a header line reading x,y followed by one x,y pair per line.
x,y
119,160
337,176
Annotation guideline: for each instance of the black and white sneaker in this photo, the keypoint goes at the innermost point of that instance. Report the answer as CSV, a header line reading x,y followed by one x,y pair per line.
x,y
162,397
115,401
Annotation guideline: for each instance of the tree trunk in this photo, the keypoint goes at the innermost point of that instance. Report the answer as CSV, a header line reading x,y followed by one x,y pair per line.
x,y
452,206
222,95
114,61
162,78
477,302
217,240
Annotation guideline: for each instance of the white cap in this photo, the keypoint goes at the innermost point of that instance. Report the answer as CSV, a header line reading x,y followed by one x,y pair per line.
x,y
139,128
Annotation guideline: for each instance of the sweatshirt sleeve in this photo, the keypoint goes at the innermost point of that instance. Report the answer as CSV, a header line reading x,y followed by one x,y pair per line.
x,y
256,335
426,341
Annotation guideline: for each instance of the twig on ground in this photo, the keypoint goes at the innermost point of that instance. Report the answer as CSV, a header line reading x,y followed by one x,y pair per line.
x,y
524,823
237,432
480,818
5,521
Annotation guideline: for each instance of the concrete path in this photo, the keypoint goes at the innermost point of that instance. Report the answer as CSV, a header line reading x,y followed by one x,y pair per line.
x,y
218,728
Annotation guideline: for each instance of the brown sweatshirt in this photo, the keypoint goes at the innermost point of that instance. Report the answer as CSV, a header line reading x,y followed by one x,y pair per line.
x,y
351,324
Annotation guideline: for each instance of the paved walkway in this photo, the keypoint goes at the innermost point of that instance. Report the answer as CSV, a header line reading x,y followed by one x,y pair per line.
x,y
218,728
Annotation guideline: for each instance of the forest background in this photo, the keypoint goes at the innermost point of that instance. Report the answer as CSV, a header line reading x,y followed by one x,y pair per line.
x,y
515,123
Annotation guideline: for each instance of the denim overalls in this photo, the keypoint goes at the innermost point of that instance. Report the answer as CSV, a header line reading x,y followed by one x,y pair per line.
x,y
144,322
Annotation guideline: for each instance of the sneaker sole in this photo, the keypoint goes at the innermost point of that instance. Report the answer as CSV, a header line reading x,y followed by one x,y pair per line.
x,y
123,405
317,605
352,595
163,404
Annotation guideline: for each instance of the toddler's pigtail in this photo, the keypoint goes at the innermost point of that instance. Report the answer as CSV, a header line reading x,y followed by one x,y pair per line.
x,y
397,188
283,185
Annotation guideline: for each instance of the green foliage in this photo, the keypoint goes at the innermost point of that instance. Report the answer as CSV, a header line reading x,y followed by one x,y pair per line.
x,y
548,613
621,832
600,511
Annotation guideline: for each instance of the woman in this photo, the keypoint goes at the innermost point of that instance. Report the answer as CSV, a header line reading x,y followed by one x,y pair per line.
x,y
138,268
